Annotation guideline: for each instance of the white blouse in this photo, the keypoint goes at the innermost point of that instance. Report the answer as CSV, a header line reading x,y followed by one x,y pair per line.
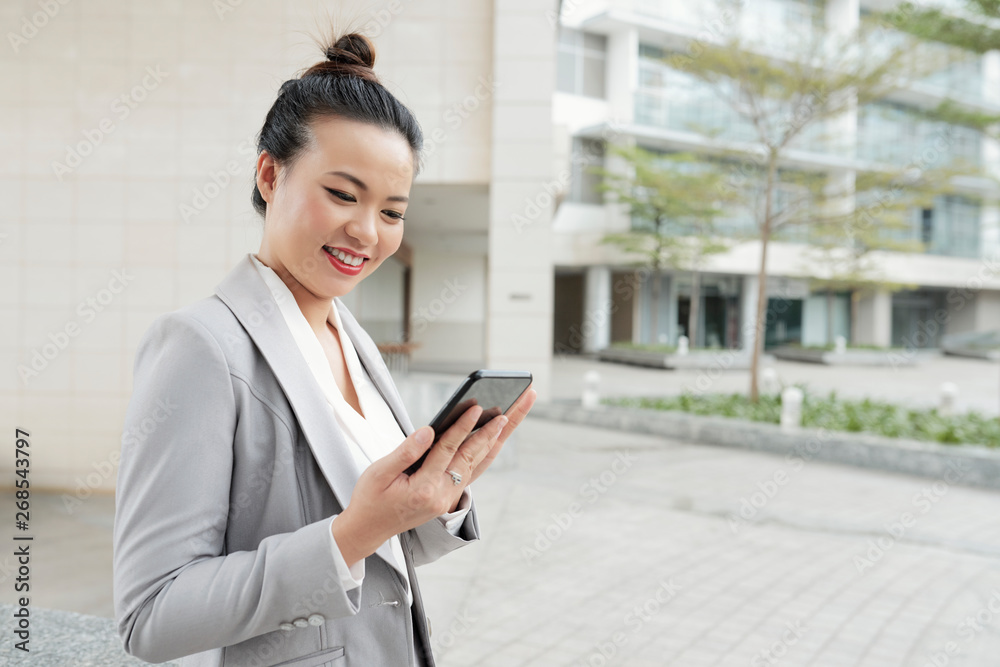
x,y
370,437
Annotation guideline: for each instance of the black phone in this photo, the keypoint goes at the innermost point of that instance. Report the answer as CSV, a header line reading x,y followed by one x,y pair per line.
x,y
494,391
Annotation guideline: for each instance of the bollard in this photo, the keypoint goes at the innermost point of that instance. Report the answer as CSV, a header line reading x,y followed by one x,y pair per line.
x,y
591,394
682,345
791,408
949,391
839,345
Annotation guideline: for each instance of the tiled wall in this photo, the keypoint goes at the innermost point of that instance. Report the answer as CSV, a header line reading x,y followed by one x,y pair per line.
x,y
109,224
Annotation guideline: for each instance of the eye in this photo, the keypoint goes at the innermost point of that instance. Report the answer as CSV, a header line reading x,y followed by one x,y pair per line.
x,y
340,195
395,215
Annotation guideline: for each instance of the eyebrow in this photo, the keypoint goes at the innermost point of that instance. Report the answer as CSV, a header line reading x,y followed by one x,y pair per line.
x,y
358,182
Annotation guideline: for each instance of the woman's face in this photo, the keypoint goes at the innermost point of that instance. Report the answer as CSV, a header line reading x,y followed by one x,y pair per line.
x,y
339,203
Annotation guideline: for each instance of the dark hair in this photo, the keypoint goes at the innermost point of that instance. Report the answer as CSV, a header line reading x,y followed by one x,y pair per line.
x,y
343,85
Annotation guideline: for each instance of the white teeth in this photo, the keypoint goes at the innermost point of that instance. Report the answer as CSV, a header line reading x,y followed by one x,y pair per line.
x,y
351,260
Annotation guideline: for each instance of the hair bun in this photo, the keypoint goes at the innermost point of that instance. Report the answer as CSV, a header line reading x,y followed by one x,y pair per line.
x,y
351,55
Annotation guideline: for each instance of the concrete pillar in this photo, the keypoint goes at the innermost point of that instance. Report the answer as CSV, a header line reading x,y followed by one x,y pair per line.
x,y
875,319
623,57
748,311
596,325
522,182
842,15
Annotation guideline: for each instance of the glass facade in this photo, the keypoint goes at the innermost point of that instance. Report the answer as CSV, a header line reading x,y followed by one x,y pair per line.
x,y
672,99
799,18
580,63
952,227
895,134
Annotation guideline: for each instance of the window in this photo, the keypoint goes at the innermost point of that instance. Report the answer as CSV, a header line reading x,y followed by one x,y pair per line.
x,y
950,228
956,227
926,225
580,67
672,99
895,134
587,153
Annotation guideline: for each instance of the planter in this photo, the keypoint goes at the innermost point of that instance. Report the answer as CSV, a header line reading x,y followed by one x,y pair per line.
x,y
978,345
846,358
695,359
968,465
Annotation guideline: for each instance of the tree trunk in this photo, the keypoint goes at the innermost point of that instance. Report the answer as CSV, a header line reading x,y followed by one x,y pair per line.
x,y
760,325
693,311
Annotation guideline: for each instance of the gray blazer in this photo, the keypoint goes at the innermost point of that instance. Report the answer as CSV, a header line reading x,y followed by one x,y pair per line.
x,y
232,464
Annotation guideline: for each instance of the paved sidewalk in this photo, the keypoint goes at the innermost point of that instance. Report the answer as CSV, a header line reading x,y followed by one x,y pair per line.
x,y
599,543
606,548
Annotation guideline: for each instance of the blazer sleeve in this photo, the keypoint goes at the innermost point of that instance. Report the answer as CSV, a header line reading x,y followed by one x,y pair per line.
x,y
432,539
175,591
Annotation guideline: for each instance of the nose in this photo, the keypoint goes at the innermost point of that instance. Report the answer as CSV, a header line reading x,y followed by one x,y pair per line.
x,y
363,226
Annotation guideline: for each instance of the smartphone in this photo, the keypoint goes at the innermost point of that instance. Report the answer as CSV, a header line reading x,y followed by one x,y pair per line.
x,y
494,391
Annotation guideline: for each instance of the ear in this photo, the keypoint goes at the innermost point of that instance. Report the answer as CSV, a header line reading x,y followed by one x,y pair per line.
x,y
267,174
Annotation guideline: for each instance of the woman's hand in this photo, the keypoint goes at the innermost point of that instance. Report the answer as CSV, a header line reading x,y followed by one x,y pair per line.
x,y
386,501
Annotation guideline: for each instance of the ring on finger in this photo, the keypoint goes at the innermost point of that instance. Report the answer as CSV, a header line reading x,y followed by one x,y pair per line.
x,y
456,479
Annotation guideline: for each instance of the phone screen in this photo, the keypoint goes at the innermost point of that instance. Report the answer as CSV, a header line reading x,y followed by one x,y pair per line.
x,y
494,391
493,395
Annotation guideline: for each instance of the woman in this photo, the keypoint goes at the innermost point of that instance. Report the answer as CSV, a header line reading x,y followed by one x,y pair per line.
x,y
262,512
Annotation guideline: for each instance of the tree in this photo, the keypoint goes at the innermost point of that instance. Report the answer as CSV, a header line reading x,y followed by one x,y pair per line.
x,y
674,200
793,94
971,34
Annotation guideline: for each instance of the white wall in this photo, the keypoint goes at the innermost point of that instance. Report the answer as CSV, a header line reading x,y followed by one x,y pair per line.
x,y
447,309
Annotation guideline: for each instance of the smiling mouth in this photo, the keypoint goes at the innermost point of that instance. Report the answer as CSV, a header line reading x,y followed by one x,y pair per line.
x,y
345,257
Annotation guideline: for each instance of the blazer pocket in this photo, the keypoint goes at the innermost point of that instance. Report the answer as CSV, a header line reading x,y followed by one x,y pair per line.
x,y
316,659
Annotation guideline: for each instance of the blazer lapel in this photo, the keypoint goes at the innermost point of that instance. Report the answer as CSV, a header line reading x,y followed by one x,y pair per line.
x,y
244,291
372,361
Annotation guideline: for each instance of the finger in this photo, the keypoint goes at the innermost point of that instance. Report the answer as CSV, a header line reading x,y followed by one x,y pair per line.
x,y
518,412
478,447
486,458
443,451
466,404
407,453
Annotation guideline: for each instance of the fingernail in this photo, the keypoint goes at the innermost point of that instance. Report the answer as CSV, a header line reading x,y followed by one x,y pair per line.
x,y
503,422
424,434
